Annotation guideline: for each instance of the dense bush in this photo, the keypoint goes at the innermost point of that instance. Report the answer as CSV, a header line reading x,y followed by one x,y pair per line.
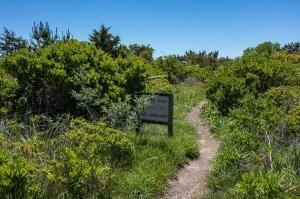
x,y
255,72
159,85
123,115
259,96
8,88
191,65
56,78
261,185
171,67
16,175
77,163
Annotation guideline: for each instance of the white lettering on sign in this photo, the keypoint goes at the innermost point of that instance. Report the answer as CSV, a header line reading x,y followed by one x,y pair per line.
x,y
158,110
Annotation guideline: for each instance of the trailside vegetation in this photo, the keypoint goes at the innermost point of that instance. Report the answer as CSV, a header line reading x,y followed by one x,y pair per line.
x,y
68,113
254,109
68,116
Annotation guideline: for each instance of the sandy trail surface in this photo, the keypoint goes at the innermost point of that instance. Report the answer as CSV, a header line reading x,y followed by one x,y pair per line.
x,y
191,179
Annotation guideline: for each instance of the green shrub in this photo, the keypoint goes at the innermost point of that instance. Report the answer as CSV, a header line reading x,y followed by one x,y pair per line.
x,y
255,72
80,174
255,111
123,115
50,78
8,88
172,68
16,176
114,145
259,185
76,163
258,115
201,73
284,97
159,85
225,90
293,120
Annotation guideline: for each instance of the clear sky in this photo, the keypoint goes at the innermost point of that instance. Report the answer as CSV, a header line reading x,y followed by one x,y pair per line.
x,y
170,26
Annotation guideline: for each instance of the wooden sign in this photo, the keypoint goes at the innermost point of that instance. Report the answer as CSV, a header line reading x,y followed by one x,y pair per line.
x,y
159,111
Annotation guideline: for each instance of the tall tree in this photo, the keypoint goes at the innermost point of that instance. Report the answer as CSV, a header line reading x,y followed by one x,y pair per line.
x,y
9,42
105,40
42,35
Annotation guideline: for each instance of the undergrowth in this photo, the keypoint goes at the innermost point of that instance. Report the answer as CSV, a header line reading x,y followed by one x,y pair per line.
x,y
254,109
67,157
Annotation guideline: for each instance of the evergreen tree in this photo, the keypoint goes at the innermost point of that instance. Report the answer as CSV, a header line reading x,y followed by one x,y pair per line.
x,y
105,41
43,36
9,42
292,47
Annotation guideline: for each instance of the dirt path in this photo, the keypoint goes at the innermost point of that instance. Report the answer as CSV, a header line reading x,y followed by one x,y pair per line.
x,y
190,182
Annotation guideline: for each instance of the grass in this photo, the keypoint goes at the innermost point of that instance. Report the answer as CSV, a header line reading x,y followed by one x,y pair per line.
x,y
157,157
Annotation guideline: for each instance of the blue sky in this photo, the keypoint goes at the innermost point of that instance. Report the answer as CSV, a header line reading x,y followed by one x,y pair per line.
x,y
170,26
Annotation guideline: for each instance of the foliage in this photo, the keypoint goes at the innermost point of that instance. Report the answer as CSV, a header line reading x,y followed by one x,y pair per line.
x,y
157,156
292,47
191,65
255,111
285,97
261,185
159,85
104,40
75,163
16,174
26,126
172,68
9,42
256,72
123,115
202,58
144,51
91,160
293,120
8,88
55,79
43,36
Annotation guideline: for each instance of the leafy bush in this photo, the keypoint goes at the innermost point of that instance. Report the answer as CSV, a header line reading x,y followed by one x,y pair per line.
x,y
255,111
255,72
123,115
284,97
172,68
8,88
259,185
224,90
113,143
258,115
293,120
159,85
75,163
16,174
48,77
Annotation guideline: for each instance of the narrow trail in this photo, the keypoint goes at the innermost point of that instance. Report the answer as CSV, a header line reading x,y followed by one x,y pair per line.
x,y
190,181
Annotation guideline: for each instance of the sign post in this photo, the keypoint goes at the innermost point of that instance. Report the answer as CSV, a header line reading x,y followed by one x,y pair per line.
x,y
160,110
